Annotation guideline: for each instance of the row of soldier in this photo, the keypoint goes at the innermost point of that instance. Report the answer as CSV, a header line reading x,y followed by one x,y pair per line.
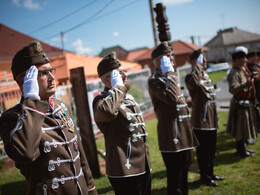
x,y
39,133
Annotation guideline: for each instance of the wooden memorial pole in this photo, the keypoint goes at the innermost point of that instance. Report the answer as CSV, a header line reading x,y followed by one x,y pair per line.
x,y
79,90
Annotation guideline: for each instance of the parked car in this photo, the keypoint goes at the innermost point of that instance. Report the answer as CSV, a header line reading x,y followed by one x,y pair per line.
x,y
217,67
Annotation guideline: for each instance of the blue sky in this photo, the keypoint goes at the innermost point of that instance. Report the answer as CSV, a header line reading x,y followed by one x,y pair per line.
x,y
91,25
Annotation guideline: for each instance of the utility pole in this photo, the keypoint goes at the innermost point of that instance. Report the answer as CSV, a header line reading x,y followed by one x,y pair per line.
x,y
153,24
62,41
192,39
199,41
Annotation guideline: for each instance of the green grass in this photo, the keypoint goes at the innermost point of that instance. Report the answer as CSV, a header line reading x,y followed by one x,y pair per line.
x,y
241,174
217,76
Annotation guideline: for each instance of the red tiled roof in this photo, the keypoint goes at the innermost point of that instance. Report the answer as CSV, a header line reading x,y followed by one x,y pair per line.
x,y
132,55
63,64
12,41
179,47
67,61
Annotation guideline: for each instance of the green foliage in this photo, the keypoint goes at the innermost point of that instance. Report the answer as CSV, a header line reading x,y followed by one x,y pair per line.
x,y
241,174
137,93
217,76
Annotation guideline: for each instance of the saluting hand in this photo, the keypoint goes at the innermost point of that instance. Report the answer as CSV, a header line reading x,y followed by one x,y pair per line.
x,y
116,78
30,85
166,65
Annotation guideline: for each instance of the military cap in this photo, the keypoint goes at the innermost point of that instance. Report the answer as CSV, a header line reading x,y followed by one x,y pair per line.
x,y
31,54
195,54
239,52
108,63
161,49
251,54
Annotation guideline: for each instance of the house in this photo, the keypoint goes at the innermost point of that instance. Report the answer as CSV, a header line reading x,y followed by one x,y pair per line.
x,y
181,49
120,52
12,40
64,63
224,43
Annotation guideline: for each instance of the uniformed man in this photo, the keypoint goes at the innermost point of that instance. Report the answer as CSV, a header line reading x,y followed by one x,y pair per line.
x,y
253,70
241,120
175,136
258,58
204,118
120,119
39,134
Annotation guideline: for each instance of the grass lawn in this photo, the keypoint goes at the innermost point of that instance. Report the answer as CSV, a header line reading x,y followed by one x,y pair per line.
x,y
217,76
242,175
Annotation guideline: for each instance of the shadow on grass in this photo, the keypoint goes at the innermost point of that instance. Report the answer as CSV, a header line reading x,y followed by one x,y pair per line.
x,y
159,174
225,149
13,188
194,184
105,190
159,191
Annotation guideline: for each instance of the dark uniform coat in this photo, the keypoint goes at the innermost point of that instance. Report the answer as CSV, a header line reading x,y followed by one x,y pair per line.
x,y
173,128
40,137
204,111
254,69
119,118
241,120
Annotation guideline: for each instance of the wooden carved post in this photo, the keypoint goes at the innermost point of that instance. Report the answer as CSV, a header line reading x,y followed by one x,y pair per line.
x,y
79,90
162,19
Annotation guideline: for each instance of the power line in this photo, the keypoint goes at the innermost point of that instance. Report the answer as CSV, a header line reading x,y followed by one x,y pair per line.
x,y
87,21
115,10
62,18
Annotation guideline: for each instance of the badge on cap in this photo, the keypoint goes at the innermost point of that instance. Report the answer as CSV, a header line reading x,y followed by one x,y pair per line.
x,y
39,47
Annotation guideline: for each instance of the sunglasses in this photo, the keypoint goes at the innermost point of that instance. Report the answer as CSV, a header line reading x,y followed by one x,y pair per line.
x,y
46,72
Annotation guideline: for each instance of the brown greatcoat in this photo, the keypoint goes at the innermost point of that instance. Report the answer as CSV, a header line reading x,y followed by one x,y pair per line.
x,y
204,112
119,118
47,150
173,128
241,120
254,69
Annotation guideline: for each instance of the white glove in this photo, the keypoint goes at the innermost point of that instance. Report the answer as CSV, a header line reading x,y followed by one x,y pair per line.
x,y
166,65
116,78
30,84
200,59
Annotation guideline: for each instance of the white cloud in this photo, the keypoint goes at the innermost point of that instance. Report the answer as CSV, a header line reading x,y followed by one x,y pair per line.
x,y
16,2
58,39
55,39
28,4
115,34
174,2
80,49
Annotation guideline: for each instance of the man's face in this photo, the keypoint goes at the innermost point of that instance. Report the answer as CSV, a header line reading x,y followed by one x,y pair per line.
x,y
169,55
252,59
239,62
107,80
46,81
258,59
